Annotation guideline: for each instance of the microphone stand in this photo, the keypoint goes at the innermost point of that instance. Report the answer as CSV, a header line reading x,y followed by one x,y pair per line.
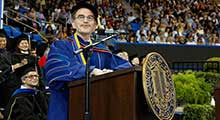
x,y
88,51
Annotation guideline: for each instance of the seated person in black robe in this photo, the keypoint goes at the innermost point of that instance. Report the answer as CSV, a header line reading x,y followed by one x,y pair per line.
x,y
27,103
8,82
23,53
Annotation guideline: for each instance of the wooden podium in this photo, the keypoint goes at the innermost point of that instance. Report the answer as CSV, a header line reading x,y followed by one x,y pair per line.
x,y
114,96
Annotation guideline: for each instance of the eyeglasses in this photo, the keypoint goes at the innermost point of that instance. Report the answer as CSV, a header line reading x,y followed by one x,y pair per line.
x,y
82,18
32,76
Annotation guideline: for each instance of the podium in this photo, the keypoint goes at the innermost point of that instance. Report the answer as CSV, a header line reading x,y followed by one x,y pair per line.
x,y
114,96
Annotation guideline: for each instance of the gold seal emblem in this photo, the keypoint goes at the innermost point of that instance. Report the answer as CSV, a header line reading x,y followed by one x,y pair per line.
x,y
158,86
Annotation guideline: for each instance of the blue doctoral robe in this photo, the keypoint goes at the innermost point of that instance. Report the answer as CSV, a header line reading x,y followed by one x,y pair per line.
x,y
64,66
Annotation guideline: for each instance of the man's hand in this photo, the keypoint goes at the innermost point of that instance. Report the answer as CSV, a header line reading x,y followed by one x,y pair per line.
x,y
107,70
97,71
18,65
24,61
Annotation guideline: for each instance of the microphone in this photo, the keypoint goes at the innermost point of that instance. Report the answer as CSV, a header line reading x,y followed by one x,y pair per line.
x,y
96,43
110,37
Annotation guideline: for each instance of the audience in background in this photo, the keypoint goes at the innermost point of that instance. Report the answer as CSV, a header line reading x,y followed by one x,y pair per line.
x,y
153,21
134,60
122,38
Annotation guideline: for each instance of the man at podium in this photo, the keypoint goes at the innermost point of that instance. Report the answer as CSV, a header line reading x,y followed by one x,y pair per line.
x,y
64,66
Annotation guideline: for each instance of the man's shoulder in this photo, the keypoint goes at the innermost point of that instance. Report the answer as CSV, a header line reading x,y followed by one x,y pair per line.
x,y
61,43
22,98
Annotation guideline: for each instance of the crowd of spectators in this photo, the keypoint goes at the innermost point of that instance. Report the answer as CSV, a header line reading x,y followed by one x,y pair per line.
x,y
152,21
179,22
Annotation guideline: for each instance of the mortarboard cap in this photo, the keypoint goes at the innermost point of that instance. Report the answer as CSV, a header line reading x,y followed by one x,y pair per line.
x,y
20,38
15,41
27,70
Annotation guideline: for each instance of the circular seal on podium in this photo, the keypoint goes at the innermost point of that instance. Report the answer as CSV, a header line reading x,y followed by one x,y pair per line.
x,y
158,86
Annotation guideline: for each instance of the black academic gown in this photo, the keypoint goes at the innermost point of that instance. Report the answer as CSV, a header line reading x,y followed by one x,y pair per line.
x,y
8,83
18,57
5,65
27,104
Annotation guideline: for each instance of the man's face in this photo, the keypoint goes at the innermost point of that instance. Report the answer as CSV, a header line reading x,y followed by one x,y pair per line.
x,y
84,21
31,79
2,42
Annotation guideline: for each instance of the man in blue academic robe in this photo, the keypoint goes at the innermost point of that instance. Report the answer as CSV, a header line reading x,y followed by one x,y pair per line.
x,y
64,66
